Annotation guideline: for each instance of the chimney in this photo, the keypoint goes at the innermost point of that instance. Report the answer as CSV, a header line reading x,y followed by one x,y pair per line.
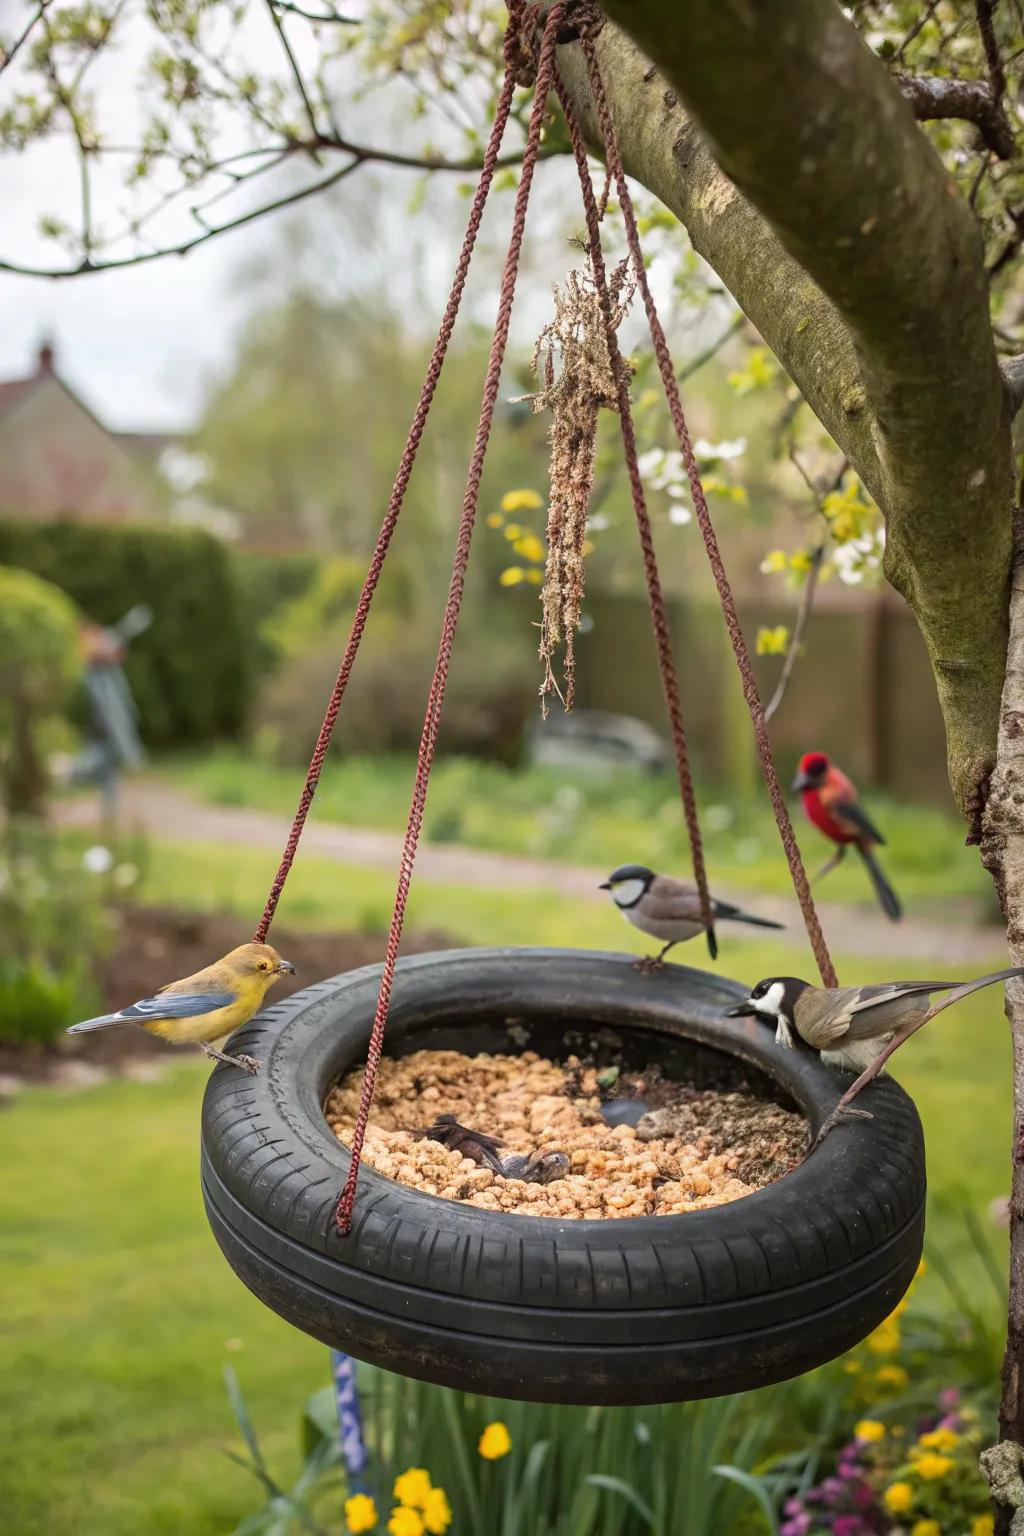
x,y
46,356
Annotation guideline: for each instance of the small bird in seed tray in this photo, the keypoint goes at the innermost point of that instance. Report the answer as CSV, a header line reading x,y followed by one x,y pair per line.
x,y
534,1168
856,1028
668,909
831,803
207,1006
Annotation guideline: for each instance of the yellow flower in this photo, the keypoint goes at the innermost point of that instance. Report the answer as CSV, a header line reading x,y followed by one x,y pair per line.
x,y
534,577
801,561
530,547
512,576
437,1512
869,1430
514,531
940,1440
982,1525
405,1522
852,1367
494,519
898,1498
520,501
922,1269
360,1513
926,1528
886,1338
774,562
772,642
412,1488
931,1467
891,1376
494,1442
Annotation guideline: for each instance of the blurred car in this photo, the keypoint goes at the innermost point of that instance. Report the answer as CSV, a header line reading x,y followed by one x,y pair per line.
x,y
592,738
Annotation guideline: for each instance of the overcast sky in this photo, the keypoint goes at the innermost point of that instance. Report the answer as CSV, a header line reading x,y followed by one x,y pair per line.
x,y
141,344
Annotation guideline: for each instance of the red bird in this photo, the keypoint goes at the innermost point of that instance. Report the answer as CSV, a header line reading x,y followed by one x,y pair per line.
x,y
831,802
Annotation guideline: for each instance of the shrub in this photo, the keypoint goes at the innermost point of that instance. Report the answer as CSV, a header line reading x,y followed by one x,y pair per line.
x,y
487,703
38,664
191,672
267,584
56,925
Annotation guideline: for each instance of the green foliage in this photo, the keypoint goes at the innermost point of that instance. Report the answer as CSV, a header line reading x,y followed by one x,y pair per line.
x,y
38,664
55,927
268,583
569,1471
190,672
324,607
726,1464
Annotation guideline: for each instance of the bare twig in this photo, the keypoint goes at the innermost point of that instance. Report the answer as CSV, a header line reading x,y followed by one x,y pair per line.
x,y
330,17
25,34
360,155
803,614
696,363
925,16
296,74
806,604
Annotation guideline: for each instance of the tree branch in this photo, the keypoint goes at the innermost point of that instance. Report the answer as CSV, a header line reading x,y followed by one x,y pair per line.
x,y
1012,370
939,96
862,269
361,154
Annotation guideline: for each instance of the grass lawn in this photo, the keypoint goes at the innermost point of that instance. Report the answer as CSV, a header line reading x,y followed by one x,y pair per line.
x,y
117,1309
603,820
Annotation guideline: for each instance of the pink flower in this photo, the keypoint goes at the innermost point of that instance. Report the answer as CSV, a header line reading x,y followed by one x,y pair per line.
x,y
833,1489
848,1525
793,1506
949,1398
800,1525
849,1471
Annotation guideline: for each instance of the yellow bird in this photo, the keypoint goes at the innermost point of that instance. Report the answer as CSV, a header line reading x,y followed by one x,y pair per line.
x,y
207,1006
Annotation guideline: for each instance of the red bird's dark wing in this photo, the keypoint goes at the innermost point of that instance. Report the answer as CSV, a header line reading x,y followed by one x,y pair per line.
x,y
853,819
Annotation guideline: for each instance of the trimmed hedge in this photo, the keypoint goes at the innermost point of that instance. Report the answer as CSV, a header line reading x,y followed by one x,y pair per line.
x,y
192,672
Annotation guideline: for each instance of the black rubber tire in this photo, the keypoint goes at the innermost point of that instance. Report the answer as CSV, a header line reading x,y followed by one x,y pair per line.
x,y
622,1311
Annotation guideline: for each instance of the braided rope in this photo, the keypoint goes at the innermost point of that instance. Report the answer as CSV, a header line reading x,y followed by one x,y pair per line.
x,y
659,617
801,884
428,740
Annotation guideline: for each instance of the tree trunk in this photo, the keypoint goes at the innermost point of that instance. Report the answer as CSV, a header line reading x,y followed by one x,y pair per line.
x,y
1002,852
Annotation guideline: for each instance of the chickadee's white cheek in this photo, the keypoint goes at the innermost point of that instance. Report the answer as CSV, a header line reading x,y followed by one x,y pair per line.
x,y
627,892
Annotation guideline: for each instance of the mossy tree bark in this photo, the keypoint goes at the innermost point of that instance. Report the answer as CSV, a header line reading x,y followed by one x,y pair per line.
x,y
796,166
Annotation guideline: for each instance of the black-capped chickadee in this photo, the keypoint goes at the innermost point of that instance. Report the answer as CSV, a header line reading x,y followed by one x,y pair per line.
x,y
668,909
856,1028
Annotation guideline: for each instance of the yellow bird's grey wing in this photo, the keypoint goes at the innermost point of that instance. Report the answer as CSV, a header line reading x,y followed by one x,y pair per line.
x,y
174,1005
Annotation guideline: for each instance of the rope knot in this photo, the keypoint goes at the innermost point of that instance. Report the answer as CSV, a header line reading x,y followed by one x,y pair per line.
x,y
526,24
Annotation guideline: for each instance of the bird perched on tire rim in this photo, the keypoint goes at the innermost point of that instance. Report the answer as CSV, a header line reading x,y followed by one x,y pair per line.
x,y
831,803
207,1006
857,1028
667,909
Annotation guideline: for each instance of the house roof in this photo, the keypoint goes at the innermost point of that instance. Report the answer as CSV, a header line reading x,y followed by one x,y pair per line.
x,y
148,445
13,391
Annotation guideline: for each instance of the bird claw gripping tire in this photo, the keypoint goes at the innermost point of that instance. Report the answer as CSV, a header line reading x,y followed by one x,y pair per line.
x,y
639,1310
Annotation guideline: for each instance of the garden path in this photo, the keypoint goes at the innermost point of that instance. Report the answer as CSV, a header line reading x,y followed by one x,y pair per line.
x,y
164,812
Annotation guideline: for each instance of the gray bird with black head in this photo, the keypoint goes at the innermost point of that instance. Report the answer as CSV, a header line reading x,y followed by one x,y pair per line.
x,y
856,1028
667,909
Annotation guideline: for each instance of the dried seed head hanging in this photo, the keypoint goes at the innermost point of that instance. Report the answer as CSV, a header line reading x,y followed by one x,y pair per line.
x,y
572,359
